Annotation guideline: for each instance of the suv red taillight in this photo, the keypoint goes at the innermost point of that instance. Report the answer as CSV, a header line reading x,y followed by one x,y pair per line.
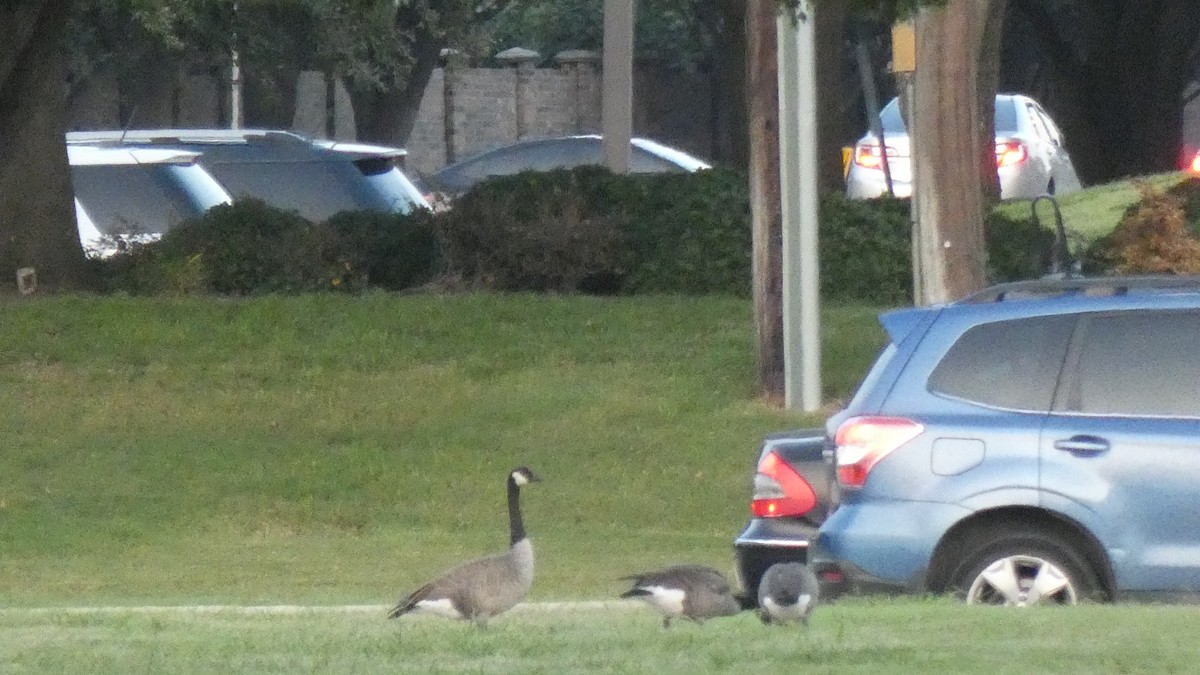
x,y
780,490
863,441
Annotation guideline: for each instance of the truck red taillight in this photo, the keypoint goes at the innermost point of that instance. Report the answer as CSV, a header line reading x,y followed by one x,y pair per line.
x,y
863,441
780,490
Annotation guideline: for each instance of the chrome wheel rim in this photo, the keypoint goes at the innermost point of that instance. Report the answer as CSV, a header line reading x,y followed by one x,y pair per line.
x,y
1022,581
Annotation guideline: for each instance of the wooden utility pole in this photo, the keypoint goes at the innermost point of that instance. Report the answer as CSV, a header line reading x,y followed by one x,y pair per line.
x,y
762,99
948,199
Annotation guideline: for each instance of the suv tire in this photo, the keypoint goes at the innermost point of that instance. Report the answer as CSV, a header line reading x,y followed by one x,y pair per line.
x,y
1022,567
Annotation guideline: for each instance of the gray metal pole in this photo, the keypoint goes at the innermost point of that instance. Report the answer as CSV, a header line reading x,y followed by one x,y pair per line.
x,y
616,112
799,201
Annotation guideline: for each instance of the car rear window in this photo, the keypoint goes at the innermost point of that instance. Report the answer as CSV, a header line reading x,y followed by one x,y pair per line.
x,y
1006,117
314,189
307,188
1139,363
133,198
1007,364
390,183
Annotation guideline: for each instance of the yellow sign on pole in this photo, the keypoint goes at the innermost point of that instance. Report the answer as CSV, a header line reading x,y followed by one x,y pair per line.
x,y
904,48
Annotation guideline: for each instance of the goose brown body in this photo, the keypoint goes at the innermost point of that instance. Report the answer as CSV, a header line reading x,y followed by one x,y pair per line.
x,y
694,592
480,589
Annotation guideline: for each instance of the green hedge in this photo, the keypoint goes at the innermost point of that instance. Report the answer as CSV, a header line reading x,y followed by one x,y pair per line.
x,y
687,233
250,248
580,230
588,229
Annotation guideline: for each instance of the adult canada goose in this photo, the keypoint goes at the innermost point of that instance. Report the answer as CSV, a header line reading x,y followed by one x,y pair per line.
x,y
482,588
695,592
787,592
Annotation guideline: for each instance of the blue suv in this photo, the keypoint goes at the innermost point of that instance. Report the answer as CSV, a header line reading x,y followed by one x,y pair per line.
x,y
1037,442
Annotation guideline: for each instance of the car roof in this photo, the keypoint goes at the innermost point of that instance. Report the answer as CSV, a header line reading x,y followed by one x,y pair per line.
x,y
88,155
1073,287
1054,295
266,143
678,157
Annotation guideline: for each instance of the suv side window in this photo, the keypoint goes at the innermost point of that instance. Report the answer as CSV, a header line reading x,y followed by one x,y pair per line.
x,y
1007,364
1139,363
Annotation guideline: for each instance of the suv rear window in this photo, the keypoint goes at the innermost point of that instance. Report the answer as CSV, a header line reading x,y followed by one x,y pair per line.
x,y
1007,364
134,198
1139,363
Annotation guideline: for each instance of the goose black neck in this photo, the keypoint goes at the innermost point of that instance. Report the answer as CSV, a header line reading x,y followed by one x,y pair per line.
x,y
516,527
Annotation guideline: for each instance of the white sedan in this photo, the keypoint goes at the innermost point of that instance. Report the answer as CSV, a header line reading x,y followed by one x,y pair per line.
x,y
1031,156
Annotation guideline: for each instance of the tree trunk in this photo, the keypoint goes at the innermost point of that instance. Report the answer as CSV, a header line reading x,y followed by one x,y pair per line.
x,y
1114,74
763,112
149,93
388,117
832,76
37,219
731,144
992,31
946,151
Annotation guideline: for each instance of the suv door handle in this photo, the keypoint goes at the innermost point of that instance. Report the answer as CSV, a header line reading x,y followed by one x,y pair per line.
x,y
1084,445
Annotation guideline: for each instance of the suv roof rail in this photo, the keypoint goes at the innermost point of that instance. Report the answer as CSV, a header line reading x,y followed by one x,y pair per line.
x,y
1097,286
172,136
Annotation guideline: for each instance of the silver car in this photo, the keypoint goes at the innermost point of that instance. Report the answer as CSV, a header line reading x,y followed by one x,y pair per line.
x,y
546,154
1031,157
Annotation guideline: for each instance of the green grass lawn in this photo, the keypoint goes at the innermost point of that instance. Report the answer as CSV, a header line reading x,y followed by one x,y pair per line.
x,y
904,636
340,450
337,449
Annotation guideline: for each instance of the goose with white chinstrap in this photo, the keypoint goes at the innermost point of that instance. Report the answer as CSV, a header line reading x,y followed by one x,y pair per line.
x,y
480,589
787,592
694,592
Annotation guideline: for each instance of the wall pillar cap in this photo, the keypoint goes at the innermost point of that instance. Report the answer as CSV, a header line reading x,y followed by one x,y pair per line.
x,y
518,56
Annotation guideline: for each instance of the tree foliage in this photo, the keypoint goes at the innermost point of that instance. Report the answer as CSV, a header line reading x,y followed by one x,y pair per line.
x,y
1114,74
680,33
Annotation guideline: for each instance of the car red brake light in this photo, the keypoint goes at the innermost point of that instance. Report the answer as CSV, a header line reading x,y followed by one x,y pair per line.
x,y
863,441
1010,153
780,490
869,156
1196,163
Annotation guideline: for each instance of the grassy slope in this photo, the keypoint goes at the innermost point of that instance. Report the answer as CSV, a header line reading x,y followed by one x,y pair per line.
x,y
1093,212
342,449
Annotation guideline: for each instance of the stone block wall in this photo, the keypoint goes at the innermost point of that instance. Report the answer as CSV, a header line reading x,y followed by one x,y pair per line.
x,y
464,110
